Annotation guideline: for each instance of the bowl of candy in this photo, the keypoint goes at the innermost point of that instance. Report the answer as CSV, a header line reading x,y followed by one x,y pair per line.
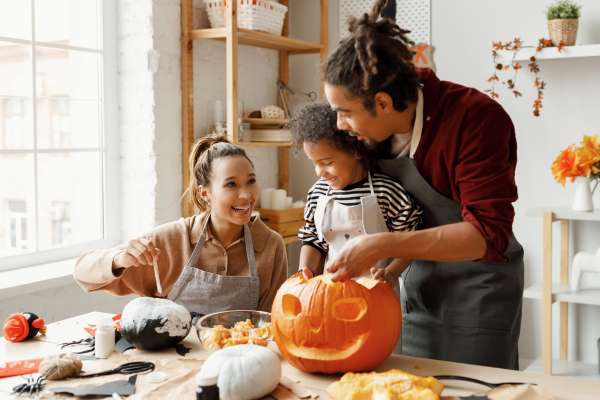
x,y
229,328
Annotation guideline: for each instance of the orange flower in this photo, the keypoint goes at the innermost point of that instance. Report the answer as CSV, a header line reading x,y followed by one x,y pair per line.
x,y
582,160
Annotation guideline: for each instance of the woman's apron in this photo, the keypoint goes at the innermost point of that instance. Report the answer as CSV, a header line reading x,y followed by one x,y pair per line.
x,y
203,292
466,311
337,223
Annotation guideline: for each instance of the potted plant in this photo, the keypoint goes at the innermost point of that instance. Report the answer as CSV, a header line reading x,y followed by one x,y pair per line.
x,y
563,17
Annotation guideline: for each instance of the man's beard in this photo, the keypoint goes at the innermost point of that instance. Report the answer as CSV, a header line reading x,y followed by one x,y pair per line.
x,y
381,149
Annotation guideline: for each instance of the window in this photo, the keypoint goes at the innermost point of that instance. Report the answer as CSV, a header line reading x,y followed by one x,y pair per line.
x,y
17,225
57,129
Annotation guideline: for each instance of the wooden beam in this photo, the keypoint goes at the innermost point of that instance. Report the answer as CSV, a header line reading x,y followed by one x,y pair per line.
x,y
324,39
283,154
564,279
547,294
283,161
231,49
187,96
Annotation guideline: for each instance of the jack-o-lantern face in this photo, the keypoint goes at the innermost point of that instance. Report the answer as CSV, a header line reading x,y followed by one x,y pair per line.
x,y
325,326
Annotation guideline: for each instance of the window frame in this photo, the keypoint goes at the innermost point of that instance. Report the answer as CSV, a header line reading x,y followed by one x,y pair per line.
x,y
108,146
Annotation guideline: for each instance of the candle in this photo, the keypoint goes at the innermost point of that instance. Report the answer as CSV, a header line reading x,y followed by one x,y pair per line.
x,y
288,201
266,198
278,199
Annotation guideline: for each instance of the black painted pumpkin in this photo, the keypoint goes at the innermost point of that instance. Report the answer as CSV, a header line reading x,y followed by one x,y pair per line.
x,y
154,324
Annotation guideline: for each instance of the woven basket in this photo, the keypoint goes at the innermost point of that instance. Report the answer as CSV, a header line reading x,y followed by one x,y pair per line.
x,y
563,29
258,15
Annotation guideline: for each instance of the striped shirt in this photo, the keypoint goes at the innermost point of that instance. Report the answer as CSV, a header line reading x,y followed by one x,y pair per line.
x,y
400,211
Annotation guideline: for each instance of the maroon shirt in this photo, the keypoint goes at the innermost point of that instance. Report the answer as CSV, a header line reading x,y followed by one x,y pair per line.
x,y
468,152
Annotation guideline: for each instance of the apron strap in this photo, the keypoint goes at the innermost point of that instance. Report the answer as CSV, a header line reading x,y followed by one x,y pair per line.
x,y
193,260
370,183
248,244
418,126
250,251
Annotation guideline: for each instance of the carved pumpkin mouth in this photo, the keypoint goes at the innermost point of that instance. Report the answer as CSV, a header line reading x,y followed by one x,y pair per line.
x,y
322,353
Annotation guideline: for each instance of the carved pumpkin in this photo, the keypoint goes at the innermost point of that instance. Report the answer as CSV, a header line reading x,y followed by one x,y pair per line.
x,y
325,326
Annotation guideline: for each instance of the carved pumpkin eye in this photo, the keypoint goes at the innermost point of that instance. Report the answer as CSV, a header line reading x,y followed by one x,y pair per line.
x,y
350,309
291,305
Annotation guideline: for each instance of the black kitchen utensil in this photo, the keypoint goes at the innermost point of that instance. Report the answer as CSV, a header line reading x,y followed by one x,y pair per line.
x,y
477,381
135,367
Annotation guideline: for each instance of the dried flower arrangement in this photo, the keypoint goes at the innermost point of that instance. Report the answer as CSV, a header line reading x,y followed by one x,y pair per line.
x,y
511,83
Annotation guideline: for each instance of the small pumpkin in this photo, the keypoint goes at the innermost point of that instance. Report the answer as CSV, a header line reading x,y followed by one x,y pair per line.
x,y
154,324
245,371
325,326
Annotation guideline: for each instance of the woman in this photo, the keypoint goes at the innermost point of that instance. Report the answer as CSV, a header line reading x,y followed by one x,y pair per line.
x,y
454,150
219,260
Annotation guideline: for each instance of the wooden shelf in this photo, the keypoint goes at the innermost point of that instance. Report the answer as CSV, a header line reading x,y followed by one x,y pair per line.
x,y
266,121
563,294
565,213
552,53
265,144
260,39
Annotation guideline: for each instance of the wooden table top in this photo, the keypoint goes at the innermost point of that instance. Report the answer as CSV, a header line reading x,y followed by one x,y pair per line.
x,y
560,387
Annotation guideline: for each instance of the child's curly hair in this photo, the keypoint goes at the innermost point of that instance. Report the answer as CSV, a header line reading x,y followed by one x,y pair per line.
x,y
317,121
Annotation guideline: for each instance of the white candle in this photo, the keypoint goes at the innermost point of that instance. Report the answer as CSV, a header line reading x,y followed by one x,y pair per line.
x,y
288,201
278,199
266,198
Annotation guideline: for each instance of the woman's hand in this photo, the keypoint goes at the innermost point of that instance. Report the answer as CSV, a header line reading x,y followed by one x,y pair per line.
x,y
137,252
357,257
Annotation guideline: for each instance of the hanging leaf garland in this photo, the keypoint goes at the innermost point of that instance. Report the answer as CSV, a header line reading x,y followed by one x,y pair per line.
x,y
511,82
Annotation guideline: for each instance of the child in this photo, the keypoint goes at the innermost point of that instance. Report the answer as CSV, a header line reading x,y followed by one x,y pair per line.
x,y
349,199
221,259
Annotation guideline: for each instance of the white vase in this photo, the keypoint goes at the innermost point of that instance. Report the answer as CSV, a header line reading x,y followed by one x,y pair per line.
x,y
582,200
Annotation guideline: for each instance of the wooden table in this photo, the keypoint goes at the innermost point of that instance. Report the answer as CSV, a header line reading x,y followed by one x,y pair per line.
x,y
72,328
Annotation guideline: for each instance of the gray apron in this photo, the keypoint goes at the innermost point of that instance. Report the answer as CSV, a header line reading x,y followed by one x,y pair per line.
x,y
466,311
204,292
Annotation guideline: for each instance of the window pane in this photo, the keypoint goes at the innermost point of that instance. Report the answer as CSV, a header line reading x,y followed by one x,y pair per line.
x,y
70,198
64,123
67,73
16,118
16,204
67,22
15,19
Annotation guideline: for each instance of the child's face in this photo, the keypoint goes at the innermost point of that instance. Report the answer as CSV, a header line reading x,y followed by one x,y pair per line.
x,y
233,190
335,166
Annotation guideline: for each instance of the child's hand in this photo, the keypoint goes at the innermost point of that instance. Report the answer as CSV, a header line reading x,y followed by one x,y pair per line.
x,y
137,252
307,272
384,274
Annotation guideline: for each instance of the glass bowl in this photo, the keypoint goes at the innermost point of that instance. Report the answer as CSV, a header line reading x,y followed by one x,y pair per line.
x,y
212,338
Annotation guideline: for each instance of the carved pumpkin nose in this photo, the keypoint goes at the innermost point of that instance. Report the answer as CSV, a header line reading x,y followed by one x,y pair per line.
x,y
350,310
291,305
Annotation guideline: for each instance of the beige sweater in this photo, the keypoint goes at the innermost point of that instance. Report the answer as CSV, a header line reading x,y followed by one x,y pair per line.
x,y
176,240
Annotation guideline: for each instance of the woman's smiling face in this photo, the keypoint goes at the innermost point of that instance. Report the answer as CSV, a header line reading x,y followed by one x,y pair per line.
x,y
233,190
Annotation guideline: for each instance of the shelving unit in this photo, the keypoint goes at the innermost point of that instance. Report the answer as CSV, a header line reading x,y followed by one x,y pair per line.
x,y
552,53
550,293
233,36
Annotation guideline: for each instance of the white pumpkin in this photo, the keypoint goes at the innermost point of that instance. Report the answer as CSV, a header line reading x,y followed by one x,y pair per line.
x,y
245,371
